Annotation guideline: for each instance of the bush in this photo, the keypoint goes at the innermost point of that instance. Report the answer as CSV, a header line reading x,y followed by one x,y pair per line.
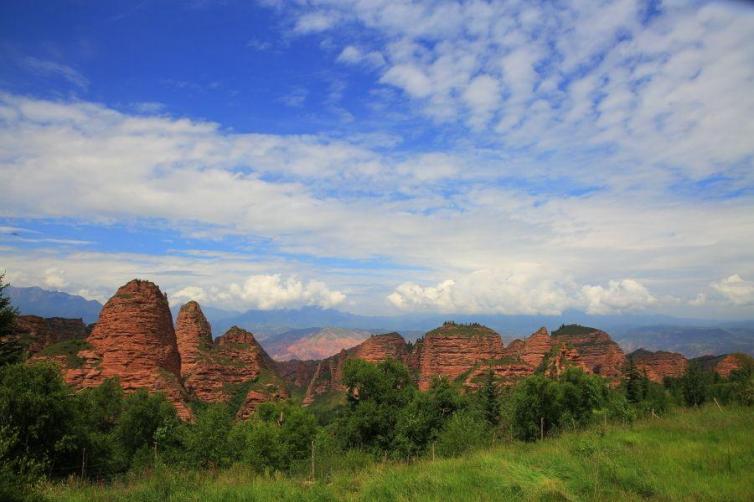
x,y
464,431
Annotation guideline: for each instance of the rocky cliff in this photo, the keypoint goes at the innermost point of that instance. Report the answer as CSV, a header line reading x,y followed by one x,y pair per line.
x,y
328,373
193,335
234,369
134,341
37,333
597,352
723,365
660,364
453,349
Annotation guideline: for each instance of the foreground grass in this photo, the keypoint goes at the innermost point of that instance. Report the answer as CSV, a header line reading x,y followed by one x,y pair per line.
x,y
703,454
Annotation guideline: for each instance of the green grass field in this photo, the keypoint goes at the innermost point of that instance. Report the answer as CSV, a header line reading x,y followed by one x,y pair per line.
x,y
705,454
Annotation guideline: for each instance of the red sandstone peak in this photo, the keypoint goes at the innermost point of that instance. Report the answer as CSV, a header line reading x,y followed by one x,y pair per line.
x,y
193,334
134,340
597,352
235,361
237,335
536,346
453,349
660,364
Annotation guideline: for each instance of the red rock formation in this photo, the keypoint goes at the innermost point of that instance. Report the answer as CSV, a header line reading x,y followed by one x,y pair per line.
x,y
597,352
234,363
193,334
328,374
38,333
453,349
536,346
506,372
723,365
658,365
134,341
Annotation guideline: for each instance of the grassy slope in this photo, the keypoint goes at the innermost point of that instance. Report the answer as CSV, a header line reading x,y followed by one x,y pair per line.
x,y
691,455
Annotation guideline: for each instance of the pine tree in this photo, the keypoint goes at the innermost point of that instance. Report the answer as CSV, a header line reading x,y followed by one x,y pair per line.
x,y
490,399
11,350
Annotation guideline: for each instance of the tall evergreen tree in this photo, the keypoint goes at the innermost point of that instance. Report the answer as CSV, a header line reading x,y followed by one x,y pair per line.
x,y
490,399
11,350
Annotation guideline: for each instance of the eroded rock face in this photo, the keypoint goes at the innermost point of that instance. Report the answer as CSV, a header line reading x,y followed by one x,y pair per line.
x,y
328,373
452,350
660,364
234,367
37,333
193,334
134,341
597,352
723,365
531,351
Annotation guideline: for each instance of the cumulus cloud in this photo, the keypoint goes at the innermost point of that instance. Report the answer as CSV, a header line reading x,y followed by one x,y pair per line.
x,y
527,290
266,292
735,289
619,296
53,278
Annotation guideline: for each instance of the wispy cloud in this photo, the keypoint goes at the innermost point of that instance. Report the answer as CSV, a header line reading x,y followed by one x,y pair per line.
x,y
52,69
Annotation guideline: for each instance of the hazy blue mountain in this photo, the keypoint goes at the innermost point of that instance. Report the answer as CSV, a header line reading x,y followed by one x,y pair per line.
x,y
691,341
41,302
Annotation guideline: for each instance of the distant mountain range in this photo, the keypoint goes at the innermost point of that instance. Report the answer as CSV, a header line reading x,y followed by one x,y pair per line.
x,y
287,330
44,303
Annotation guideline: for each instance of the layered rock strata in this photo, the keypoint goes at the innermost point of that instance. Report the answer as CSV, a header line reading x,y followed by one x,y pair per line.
x,y
596,351
660,364
453,349
134,341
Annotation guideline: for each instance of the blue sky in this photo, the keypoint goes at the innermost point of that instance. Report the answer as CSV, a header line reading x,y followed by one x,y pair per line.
x,y
383,157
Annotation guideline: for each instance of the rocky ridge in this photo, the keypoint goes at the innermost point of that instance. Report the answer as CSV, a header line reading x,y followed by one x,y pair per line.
x,y
660,364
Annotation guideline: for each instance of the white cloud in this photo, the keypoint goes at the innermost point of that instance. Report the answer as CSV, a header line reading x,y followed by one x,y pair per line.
x,y
735,289
524,289
577,75
53,278
271,291
619,296
265,292
431,215
353,55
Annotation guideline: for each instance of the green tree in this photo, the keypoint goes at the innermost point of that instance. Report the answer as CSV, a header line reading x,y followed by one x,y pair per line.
x,y
420,421
11,350
490,398
536,407
99,410
38,419
147,425
278,437
376,396
696,385
206,441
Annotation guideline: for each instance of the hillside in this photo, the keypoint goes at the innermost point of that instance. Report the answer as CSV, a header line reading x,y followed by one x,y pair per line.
x,y
704,454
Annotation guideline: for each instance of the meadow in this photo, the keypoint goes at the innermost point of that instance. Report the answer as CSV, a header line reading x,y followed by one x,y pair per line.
x,y
689,454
